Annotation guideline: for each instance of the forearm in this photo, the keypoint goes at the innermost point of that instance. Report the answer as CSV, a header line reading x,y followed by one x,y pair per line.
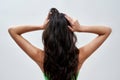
x,y
23,29
100,30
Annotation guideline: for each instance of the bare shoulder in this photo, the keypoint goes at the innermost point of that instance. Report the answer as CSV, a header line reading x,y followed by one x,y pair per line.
x,y
80,59
40,59
40,56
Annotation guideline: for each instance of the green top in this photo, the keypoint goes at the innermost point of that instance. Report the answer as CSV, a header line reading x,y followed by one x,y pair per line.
x,y
46,78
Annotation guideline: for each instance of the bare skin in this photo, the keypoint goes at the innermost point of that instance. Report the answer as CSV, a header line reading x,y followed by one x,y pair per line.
x,y
38,54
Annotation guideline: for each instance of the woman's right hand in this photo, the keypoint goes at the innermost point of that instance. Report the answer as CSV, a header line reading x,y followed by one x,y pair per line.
x,y
75,26
43,26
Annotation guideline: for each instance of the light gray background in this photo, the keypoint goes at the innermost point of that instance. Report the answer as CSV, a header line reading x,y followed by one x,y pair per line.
x,y
102,65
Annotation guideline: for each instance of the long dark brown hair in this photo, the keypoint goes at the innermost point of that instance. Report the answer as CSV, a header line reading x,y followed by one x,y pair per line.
x,y
61,53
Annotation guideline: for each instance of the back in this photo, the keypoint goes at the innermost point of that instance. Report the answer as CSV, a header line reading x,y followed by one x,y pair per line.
x,y
61,54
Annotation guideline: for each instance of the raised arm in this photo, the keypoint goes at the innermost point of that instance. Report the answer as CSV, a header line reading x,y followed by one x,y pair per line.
x,y
35,53
102,31
26,46
102,34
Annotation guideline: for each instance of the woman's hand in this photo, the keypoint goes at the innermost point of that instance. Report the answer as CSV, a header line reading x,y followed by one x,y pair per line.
x,y
102,31
75,26
45,23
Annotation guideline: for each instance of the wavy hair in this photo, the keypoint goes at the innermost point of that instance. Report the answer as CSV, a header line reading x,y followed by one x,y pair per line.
x,y
61,53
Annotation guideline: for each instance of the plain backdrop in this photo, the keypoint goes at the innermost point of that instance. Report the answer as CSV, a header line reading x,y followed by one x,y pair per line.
x,y
103,64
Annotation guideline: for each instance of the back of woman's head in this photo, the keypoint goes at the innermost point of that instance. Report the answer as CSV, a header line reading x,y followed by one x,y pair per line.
x,y
61,54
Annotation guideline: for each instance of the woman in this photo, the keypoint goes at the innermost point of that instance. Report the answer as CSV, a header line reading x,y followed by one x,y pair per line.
x,y
60,59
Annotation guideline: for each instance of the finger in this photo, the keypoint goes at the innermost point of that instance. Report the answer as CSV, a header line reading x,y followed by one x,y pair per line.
x,y
47,16
70,28
46,21
69,19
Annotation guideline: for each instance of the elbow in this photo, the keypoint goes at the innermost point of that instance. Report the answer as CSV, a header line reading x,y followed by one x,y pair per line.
x,y
10,30
109,30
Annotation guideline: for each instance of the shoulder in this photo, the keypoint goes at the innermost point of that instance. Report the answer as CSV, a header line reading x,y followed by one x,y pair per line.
x,y
80,59
40,56
40,59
